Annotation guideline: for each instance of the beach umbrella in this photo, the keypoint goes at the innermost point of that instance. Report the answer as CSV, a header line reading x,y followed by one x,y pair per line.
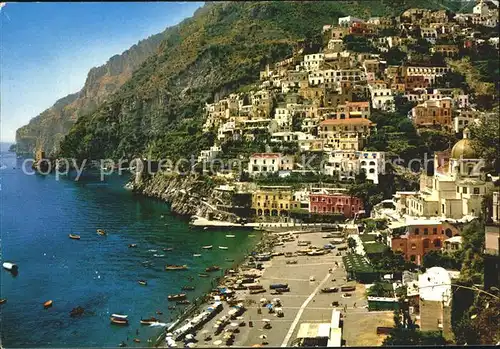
x,y
205,331
266,320
234,324
189,336
257,346
218,342
263,336
191,345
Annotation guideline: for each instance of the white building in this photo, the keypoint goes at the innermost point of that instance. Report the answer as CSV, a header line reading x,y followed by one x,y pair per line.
x,y
283,119
210,154
349,20
268,163
346,164
313,61
373,163
382,98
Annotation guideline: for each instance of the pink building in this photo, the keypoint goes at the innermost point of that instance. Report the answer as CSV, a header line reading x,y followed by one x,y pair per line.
x,y
335,203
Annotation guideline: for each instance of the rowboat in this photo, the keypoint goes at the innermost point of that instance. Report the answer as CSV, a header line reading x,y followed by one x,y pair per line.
x,y
170,267
212,268
196,255
176,297
118,321
188,288
168,249
3,301
137,340
142,282
9,266
74,236
223,247
208,247
149,321
101,232
48,304
230,236
132,245
229,260
203,275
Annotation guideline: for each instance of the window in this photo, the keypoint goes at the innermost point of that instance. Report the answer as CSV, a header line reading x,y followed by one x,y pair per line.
x,y
416,231
464,190
426,231
477,191
434,231
437,243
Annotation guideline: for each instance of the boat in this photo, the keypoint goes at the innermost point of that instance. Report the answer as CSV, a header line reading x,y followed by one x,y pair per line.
x,y
101,232
183,302
197,255
230,236
119,321
188,288
168,249
151,250
48,304
159,312
212,268
223,247
74,236
9,266
229,260
203,275
208,247
171,307
158,255
137,340
149,321
142,282
3,300
176,297
119,316
132,245
170,267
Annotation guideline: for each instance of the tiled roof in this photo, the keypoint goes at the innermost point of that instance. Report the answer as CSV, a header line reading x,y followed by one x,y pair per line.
x,y
356,121
266,155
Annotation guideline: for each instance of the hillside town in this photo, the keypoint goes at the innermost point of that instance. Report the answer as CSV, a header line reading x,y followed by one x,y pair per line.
x,y
354,104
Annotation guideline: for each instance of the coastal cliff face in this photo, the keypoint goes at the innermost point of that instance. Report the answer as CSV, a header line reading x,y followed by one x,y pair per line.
x,y
48,128
184,193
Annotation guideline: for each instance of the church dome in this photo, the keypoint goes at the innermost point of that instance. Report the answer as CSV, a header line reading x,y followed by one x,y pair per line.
x,y
463,149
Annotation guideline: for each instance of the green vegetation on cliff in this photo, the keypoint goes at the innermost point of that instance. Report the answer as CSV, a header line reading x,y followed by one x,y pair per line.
x,y
159,111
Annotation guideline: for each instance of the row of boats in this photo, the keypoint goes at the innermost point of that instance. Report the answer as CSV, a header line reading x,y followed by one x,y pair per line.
x,y
78,237
209,247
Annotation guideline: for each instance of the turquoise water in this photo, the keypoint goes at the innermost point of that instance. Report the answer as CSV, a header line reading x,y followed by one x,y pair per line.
x,y
98,273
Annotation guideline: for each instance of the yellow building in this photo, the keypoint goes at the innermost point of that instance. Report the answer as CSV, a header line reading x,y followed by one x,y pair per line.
x,y
272,201
39,155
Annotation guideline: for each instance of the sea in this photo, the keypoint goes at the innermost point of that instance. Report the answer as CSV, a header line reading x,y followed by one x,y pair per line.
x,y
98,273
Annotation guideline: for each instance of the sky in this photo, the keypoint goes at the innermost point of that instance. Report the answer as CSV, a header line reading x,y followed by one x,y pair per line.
x,y
47,49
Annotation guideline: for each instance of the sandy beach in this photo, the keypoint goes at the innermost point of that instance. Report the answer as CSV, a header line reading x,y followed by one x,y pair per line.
x,y
304,303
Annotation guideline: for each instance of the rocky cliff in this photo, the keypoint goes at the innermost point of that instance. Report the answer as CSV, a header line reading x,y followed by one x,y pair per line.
x,y
49,128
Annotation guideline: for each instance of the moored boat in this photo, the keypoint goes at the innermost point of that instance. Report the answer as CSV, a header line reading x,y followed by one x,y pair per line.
x,y
188,288
132,245
149,321
101,232
230,236
223,247
3,301
170,267
229,260
142,282
212,268
203,275
183,302
168,249
48,304
196,255
9,266
208,247
74,236
176,297
118,321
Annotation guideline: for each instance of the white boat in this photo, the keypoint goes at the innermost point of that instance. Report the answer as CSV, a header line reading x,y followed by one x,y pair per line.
x,y
223,247
230,236
9,266
152,250
209,247
119,316
158,255
197,255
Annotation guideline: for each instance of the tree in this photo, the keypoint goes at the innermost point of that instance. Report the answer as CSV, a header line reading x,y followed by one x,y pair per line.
x,y
485,137
351,243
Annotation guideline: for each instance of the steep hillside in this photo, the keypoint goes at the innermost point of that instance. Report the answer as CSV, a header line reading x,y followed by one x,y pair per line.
x,y
158,112
48,128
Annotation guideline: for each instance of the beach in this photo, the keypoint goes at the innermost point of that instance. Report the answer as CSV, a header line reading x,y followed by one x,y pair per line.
x,y
304,303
